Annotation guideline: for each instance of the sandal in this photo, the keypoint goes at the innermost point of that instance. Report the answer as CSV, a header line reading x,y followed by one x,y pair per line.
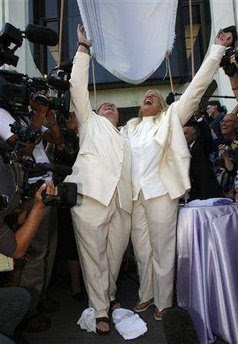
x,y
115,304
104,320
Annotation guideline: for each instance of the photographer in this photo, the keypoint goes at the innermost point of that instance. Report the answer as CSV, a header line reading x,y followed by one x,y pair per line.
x,y
234,78
36,272
14,302
15,244
229,61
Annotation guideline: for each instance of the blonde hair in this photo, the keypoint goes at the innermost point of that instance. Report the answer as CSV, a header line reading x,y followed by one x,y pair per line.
x,y
163,104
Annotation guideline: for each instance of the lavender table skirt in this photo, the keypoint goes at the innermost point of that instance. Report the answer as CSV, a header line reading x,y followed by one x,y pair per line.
x,y
207,280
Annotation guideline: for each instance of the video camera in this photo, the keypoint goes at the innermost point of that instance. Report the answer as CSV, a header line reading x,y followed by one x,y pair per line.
x,y
16,92
16,169
16,88
11,35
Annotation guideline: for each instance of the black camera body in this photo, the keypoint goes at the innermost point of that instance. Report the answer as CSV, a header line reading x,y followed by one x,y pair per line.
x,y
229,68
15,170
16,91
66,197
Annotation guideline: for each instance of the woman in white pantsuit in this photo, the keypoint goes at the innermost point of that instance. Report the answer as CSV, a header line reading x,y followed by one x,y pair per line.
x,y
102,222
160,164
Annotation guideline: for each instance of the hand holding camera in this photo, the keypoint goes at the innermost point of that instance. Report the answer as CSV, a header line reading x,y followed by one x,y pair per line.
x,y
223,151
46,189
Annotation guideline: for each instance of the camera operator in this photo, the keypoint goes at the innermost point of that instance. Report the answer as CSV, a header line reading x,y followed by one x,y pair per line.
x,y
234,78
14,302
229,61
36,272
15,244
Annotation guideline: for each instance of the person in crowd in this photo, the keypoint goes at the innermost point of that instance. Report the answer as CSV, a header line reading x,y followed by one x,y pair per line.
x,y
225,159
160,175
14,301
36,271
216,113
102,171
66,239
203,180
205,132
232,71
234,78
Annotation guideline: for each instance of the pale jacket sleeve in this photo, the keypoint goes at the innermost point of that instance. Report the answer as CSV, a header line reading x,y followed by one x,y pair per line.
x,y
194,92
79,87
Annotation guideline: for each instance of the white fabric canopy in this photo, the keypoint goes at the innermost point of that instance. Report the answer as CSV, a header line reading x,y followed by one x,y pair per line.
x,y
130,38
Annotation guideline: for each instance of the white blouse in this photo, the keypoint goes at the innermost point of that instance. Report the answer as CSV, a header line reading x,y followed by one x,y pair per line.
x,y
145,162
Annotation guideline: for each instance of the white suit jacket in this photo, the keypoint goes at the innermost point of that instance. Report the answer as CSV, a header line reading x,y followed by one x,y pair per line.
x,y
174,156
104,159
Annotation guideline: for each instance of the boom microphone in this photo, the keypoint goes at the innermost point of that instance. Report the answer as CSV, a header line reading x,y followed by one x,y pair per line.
x,y
41,35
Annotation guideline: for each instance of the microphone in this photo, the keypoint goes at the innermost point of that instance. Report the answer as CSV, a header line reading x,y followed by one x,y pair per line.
x,y
41,35
59,84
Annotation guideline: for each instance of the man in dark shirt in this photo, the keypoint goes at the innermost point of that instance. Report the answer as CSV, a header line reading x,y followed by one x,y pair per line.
x,y
204,184
14,302
216,113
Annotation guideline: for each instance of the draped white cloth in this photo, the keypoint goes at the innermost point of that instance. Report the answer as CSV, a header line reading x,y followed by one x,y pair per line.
x,y
130,38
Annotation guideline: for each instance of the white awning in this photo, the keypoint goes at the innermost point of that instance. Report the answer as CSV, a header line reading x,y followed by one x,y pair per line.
x,y
130,38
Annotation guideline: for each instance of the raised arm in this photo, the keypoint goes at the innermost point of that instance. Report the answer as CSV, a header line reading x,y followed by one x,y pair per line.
x,y
194,92
79,78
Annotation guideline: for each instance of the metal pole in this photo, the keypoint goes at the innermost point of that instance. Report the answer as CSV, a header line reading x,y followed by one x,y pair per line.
x,y
61,31
225,97
191,36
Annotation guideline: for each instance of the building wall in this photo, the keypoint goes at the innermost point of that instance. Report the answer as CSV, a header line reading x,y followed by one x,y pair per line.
x,y
17,13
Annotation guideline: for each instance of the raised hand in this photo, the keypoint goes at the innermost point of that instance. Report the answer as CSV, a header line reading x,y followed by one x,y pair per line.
x,y
82,37
224,38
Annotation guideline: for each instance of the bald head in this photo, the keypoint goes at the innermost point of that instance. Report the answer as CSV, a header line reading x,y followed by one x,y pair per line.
x,y
190,134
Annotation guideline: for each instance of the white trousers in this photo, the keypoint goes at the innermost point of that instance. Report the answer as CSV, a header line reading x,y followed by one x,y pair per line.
x,y
154,238
102,235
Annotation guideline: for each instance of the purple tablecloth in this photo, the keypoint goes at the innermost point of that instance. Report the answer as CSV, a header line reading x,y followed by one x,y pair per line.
x,y
207,278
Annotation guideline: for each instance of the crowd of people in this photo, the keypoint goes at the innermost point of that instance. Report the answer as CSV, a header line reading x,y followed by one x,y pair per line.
x,y
132,179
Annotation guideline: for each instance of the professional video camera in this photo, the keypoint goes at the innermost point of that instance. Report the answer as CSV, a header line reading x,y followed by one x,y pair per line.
x,y
15,170
15,88
230,68
17,92
11,35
